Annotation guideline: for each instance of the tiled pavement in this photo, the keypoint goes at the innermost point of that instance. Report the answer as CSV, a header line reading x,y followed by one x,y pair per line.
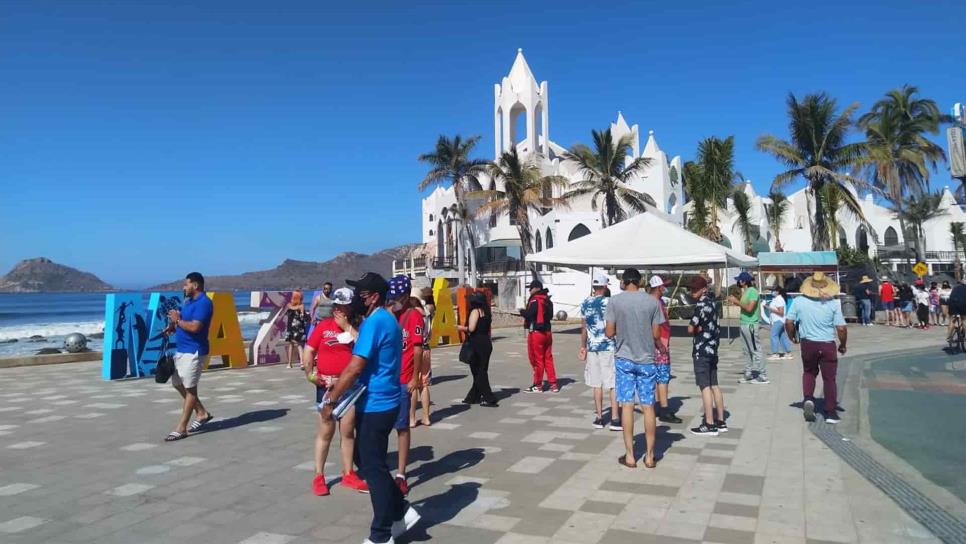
x,y
82,461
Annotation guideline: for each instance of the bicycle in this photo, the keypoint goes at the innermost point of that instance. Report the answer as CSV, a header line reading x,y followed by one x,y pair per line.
x,y
957,340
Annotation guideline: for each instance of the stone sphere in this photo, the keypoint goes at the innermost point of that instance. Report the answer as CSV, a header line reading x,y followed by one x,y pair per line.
x,y
561,315
75,343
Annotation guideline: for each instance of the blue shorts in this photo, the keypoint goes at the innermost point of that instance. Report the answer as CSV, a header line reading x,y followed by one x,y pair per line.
x,y
664,373
635,377
908,307
402,420
888,305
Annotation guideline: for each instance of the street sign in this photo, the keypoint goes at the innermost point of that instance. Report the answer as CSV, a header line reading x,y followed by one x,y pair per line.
x,y
920,269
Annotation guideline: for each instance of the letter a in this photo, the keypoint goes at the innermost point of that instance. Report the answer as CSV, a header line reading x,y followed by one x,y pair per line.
x,y
224,336
444,322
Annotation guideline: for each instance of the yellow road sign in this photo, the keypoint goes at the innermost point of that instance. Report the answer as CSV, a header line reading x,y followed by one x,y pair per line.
x,y
920,269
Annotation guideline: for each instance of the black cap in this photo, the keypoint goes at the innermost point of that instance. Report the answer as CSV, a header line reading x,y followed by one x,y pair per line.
x,y
370,281
631,275
535,284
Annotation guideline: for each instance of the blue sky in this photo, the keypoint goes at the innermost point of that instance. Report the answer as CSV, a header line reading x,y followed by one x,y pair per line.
x,y
140,140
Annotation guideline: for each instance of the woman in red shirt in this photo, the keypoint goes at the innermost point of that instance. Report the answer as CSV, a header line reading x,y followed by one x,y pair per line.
x,y
327,353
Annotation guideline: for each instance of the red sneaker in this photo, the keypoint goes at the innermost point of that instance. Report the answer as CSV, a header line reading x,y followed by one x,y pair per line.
x,y
403,486
319,487
353,481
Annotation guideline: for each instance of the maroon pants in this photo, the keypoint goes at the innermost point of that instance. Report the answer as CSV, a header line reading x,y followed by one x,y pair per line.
x,y
540,351
820,356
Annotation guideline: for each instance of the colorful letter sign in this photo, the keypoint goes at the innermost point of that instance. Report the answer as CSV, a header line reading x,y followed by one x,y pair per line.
x,y
133,337
444,322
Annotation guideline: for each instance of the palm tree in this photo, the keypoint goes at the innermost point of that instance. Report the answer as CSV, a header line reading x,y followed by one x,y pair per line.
x,y
832,195
450,163
956,232
524,189
709,180
698,218
916,212
742,206
898,157
818,152
606,175
775,214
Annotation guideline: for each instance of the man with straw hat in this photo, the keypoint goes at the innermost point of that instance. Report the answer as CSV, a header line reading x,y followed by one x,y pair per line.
x,y
819,317
863,297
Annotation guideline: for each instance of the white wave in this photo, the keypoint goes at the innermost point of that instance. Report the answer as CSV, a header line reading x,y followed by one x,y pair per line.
x,y
48,330
252,317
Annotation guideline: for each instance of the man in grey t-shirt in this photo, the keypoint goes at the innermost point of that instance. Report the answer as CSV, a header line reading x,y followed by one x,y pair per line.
x,y
634,321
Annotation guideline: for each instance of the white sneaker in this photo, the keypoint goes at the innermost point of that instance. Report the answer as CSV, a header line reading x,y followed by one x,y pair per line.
x,y
774,357
409,519
390,541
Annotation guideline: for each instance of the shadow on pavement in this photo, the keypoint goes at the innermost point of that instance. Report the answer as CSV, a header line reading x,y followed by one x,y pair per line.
x,y
451,410
448,378
258,416
417,454
503,394
440,509
665,439
448,464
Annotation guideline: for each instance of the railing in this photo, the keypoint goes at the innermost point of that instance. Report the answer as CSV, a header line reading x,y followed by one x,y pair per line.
x,y
501,266
413,266
899,253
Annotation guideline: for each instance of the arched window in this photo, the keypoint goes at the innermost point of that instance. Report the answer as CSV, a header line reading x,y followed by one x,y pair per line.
x,y
799,222
548,239
843,239
430,218
891,237
577,232
538,244
862,239
440,250
672,204
518,123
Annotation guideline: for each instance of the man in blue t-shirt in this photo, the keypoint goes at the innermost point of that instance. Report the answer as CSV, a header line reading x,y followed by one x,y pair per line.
x,y
190,328
376,362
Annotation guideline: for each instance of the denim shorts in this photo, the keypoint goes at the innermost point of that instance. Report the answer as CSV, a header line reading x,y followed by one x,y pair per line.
x,y
402,420
888,305
637,378
663,373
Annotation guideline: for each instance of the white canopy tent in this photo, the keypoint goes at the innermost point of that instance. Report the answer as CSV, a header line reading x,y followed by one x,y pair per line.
x,y
643,241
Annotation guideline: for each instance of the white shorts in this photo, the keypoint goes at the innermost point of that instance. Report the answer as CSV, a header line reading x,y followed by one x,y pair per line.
x,y
599,369
187,369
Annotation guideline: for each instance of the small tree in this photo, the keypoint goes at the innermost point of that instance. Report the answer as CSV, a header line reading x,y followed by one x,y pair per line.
x,y
775,213
742,205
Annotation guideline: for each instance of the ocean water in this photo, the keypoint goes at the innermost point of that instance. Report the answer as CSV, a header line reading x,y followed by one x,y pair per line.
x,y
55,315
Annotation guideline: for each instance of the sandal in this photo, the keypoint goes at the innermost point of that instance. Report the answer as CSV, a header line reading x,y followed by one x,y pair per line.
x,y
197,424
652,464
175,435
622,460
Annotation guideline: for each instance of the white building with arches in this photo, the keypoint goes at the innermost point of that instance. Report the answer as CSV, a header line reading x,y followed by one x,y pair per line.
x,y
521,119
882,238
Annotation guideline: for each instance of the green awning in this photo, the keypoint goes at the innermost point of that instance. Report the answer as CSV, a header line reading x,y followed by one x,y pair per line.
x,y
505,242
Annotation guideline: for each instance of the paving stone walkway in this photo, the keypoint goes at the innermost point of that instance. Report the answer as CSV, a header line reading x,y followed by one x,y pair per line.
x,y
82,460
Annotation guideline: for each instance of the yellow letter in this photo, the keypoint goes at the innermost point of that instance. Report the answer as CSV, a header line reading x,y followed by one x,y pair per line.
x,y
224,336
444,323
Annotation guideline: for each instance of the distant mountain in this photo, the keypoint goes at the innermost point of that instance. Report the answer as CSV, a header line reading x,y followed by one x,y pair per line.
x,y
292,274
43,275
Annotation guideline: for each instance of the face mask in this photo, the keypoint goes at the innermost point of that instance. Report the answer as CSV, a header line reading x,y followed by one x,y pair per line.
x,y
397,306
359,307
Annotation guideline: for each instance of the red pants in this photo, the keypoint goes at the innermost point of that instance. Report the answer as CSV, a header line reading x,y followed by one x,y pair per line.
x,y
820,356
540,351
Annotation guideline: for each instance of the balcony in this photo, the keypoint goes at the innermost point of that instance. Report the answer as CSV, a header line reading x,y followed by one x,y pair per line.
x,y
900,253
501,266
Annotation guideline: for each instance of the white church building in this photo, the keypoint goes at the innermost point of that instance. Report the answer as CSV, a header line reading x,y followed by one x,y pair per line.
x,y
521,119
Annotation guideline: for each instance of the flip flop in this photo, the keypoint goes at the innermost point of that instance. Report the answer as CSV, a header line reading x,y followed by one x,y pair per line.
x,y
652,464
175,435
198,424
622,460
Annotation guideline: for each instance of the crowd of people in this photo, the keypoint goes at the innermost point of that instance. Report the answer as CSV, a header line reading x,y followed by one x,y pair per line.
x,y
370,343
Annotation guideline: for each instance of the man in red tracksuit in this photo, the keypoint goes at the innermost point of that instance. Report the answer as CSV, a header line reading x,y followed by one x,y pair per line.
x,y
536,320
